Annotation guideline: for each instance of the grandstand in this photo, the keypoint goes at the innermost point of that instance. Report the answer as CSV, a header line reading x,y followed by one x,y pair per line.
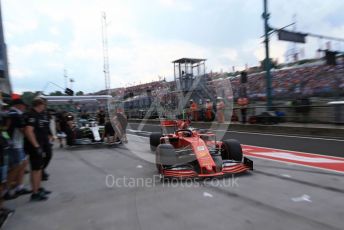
x,y
305,80
289,81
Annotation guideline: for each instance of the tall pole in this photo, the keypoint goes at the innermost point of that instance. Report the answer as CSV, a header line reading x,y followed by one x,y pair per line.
x,y
267,64
65,78
71,80
106,67
296,54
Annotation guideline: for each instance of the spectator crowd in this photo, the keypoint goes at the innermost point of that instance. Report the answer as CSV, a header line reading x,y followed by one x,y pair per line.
x,y
312,80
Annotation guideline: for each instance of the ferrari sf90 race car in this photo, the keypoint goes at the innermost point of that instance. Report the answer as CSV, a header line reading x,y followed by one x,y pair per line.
x,y
192,153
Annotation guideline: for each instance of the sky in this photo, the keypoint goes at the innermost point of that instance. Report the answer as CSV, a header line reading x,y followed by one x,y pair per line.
x,y
46,37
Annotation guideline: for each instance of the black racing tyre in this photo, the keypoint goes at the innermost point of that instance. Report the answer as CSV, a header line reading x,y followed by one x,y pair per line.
x,y
218,161
165,156
231,150
154,140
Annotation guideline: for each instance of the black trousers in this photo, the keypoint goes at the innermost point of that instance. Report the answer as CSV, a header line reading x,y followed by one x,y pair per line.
x,y
70,139
47,155
243,115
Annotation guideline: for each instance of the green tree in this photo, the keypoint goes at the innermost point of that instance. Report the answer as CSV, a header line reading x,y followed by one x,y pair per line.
x,y
28,96
80,93
56,93
273,63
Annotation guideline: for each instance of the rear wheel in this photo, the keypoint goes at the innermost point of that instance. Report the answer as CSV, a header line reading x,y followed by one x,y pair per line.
x,y
154,140
231,150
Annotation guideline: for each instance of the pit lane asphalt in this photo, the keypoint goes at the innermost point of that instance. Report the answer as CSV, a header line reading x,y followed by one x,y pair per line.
x,y
273,196
318,145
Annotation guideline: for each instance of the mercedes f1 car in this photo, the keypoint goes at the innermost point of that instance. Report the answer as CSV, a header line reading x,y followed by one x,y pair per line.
x,y
188,153
88,132
81,131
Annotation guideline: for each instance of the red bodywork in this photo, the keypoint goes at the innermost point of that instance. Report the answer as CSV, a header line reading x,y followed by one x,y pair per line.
x,y
199,143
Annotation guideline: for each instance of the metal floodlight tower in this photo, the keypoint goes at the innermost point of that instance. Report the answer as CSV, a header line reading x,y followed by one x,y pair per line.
x,y
267,64
106,67
189,76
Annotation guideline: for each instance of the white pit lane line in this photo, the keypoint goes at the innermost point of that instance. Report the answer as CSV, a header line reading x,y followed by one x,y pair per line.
x,y
289,156
303,198
207,194
286,175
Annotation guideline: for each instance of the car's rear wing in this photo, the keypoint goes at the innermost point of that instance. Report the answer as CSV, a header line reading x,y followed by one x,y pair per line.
x,y
168,126
178,124
168,123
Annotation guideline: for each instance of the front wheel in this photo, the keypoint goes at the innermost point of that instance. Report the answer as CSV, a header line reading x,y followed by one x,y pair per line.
x,y
165,156
154,140
231,150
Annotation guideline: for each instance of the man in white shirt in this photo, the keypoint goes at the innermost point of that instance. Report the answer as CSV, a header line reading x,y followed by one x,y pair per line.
x,y
18,160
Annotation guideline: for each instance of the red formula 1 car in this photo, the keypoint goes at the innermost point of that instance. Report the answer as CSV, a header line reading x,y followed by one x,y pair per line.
x,y
188,152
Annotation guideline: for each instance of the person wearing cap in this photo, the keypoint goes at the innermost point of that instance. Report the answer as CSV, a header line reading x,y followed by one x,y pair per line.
x,y
220,107
37,144
208,110
15,128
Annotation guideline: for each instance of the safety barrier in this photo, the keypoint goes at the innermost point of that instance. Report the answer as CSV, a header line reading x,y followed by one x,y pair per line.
x,y
323,114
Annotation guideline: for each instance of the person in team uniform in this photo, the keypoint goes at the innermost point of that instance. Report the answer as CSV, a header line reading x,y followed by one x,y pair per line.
x,y
194,110
243,102
37,145
109,132
208,110
48,153
65,126
84,115
101,117
220,110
